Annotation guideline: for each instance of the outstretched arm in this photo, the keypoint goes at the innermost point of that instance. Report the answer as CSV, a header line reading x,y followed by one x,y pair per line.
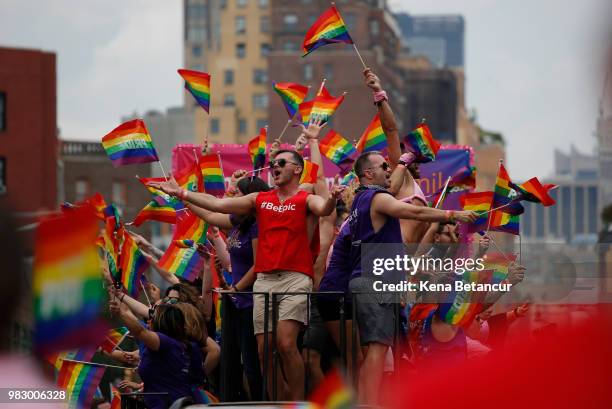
x,y
389,206
220,220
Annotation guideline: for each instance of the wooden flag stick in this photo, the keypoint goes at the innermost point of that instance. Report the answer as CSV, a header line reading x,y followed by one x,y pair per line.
x,y
443,192
145,293
360,57
280,137
95,363
162,169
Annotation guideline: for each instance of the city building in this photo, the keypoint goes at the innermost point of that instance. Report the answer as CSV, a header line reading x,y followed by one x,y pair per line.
x,y
230,40
28,133
375,33
440,38
604,156
575,219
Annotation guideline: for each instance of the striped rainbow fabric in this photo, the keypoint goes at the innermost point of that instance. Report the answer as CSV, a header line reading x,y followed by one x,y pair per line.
x,y
373,138
129,143
329,28
479,202
292,95
212,172
257,149
185,262
422,143
132,264
324,106
80,381
309,173
466,304
502,192
338,150
114,337
162,208
504,222
198,84
332,393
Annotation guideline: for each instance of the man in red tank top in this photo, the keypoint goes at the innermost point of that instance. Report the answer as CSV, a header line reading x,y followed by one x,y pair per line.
x,y
283,260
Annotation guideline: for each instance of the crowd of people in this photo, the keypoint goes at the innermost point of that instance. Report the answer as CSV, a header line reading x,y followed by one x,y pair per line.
x,y
298,239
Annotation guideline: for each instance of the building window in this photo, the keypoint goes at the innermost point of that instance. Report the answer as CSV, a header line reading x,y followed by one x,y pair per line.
x,y
196,34
265,49
228,100
260,76
290,46
81,190
290,21
242,3
2,111
263,3
328,71
579,209
553,221
196,51
197,67
566,215
240,24
261,123
3,188
264,24
242,124
592,206
308,73
260,101
119,194
214,125
228,77
240,50
374,27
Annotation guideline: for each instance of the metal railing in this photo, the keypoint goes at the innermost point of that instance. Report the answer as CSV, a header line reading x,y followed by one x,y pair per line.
x,y
271,348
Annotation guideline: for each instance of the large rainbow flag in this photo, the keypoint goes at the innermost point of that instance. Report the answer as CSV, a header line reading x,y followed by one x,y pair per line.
x,y
132,265
479,202
329,28
373,138
338,150
198,84
67,287
185,262
212,172
80,381
129,143
257,149
422,143
291,94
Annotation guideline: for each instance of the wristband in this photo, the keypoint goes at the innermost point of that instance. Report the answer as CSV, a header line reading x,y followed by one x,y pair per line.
x,y
406,159
450,216
380,96
183,194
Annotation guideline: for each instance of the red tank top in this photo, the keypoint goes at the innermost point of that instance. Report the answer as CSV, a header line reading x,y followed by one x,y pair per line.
x,y
282,234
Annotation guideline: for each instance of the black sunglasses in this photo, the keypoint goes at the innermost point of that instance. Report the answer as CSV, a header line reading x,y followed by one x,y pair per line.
x,y
281,163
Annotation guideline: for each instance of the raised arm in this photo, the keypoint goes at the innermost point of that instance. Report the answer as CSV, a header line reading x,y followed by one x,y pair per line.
x,y
312,135
227,205
137,308
389,206
165,274
220,220
324,207
149,338
145,245
220,248
387,118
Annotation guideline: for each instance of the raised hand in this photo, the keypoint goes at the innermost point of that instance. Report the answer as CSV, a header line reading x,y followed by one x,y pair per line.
x,y
337,188
314,127
300,143
516,273
484,243
371,80
170,187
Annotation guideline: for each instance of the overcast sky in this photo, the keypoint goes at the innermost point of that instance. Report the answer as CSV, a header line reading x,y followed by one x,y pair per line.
x,y
531,66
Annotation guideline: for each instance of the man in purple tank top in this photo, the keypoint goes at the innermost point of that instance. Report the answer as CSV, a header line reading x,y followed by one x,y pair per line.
x,y
374,218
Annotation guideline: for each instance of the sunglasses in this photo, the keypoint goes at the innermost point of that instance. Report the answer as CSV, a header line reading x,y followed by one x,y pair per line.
x,y
385,166
281,163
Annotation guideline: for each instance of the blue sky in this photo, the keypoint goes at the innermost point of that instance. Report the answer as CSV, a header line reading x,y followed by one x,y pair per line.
x,y
532,67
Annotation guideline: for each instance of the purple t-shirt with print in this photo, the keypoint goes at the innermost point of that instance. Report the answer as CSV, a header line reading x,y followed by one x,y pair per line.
x,y
240,247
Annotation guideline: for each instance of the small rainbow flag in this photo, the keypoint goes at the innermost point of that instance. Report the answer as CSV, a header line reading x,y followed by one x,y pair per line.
x,y
304,109
184,244
162,208
329,28
291,94
129,143
80,381
479,202
132,265
373,138
83,354
332,392
198,84
257,149
499,264
116,397
113,339
98,203
504,222
502,191
66,286
338,150
185,262
190,177
422,143
348,178
534,191
214,182
324,106
309,173
466,304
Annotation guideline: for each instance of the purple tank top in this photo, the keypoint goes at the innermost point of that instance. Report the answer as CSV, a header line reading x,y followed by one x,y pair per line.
x,y
240,248
362,231
339,270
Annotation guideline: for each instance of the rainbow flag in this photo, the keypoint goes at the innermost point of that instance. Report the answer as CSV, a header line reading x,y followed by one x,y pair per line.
x,y
499,264
162,208
338,150
80,382
348,178
214,182
478,202
190,177
98,203
83,354
373,138
198,84
502,192
329,28
291,94
332,392
67,287
132,265
504,222
185,262
115,397
257,149
309,173
184,244
324,106
534,191
129,143
466,304
113,339
422,143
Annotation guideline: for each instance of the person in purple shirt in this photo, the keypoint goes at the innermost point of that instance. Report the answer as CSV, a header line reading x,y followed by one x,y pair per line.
x,y
165,363
374,218
238,332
